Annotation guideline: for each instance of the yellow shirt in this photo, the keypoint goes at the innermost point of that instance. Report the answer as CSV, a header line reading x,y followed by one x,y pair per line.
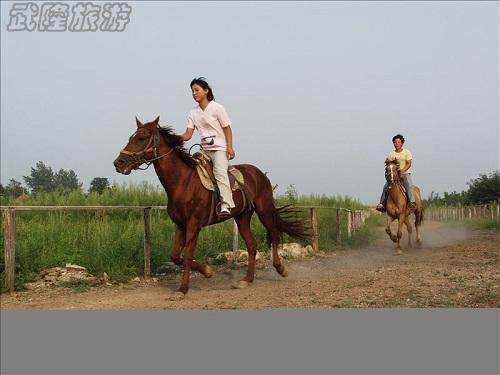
x,y
402,157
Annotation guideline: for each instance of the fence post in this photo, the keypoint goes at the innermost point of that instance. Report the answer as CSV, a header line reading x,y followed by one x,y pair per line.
x,y
349,223
491,212
147,242
235,243
498,212
339,235
9,227
315,234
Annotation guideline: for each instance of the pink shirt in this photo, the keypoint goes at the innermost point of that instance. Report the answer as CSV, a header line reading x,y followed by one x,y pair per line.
x,y
209,123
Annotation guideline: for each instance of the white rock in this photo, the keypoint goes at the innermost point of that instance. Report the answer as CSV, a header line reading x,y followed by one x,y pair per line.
x,y
52,271
70,266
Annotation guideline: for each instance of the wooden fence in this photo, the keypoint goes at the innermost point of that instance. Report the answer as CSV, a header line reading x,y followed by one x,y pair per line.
x,y
355,220
490,211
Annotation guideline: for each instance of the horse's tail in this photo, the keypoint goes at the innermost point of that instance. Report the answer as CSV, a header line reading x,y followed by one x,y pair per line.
x,y
286,220
421,216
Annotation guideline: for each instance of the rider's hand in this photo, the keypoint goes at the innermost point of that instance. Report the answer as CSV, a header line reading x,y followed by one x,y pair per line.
x,y
230,153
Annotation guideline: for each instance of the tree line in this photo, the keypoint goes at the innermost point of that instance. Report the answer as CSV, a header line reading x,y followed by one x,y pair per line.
x,y
43,179
482,190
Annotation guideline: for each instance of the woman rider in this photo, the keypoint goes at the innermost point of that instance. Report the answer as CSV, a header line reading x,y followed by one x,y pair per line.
x,y
211,121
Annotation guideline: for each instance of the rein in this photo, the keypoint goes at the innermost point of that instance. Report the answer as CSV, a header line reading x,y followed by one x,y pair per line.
x,y
152,145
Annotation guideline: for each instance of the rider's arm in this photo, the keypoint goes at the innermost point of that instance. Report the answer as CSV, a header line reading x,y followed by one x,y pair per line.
x,y
187,135
407,166
229,142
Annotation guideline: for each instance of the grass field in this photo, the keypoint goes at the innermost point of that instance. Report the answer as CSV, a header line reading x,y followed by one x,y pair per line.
x,y
112,241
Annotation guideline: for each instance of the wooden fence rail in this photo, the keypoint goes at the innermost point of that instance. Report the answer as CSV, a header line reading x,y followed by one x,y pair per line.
x,y
355,220
490,211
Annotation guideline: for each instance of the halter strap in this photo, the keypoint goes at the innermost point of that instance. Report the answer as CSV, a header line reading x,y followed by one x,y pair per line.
x,y
152,145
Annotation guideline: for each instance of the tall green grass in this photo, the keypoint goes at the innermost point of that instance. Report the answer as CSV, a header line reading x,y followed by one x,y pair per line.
x,y
111,241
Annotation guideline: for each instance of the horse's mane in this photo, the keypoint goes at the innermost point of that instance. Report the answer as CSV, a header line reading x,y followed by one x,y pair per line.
x,y
174,141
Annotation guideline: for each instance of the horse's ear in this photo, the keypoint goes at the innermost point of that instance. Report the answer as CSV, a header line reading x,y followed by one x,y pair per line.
x,y
156,121
139,124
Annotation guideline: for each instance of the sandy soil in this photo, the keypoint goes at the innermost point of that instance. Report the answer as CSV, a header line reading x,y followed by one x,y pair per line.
x,y
454,267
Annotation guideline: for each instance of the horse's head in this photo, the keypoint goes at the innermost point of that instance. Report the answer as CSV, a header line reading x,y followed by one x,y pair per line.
x,y
142,147
392,174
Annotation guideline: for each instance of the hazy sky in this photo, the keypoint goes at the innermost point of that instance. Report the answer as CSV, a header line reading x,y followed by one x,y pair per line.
x,y
315,90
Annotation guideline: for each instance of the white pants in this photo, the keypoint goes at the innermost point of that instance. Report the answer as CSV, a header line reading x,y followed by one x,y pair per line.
x,y
221,163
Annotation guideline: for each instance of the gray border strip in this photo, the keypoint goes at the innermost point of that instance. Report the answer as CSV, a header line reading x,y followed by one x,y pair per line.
x,y
337,341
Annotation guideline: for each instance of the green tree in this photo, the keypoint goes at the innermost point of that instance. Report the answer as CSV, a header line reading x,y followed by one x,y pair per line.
x,y
291,193
66,180
484,189
41,178
433,199
454,198
99,184
14,189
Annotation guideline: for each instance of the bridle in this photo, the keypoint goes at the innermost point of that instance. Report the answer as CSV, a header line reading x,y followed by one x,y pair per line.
x,y
152,145
394,175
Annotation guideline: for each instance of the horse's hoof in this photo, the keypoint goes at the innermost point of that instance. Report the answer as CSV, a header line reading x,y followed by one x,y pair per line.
x,y
284,272
241,285
209,272
398,252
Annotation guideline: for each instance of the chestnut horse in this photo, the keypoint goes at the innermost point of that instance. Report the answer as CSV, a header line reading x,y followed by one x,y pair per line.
x,y
190,204
397,205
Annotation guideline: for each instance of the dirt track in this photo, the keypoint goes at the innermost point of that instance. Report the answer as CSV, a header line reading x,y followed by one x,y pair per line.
x,y
454,267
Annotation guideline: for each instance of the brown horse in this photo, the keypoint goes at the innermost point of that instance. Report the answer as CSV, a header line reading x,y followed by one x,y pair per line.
x,y
190,204
397,205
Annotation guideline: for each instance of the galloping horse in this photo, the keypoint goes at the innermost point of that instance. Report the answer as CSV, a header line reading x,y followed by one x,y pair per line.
x,y
190,205
397,205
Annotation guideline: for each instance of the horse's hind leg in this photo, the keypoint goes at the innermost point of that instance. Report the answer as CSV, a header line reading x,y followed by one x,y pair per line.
x,y
418,222
273,236
410,230
180,239
243,222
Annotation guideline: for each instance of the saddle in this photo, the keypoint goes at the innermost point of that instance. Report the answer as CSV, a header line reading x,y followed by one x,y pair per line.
x,y
207,178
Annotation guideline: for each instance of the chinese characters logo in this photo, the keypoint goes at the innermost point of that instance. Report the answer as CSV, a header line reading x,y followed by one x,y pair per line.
x,y
83,16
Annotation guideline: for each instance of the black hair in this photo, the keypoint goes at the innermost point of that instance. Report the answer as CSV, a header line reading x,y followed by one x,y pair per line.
x,y
202,81
398,136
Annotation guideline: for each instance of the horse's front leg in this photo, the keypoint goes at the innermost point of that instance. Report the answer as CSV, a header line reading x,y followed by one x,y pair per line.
x,y
192,232
401,220
390,219
180,239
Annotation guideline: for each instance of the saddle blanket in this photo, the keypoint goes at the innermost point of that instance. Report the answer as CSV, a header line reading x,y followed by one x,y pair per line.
x,y
236,179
